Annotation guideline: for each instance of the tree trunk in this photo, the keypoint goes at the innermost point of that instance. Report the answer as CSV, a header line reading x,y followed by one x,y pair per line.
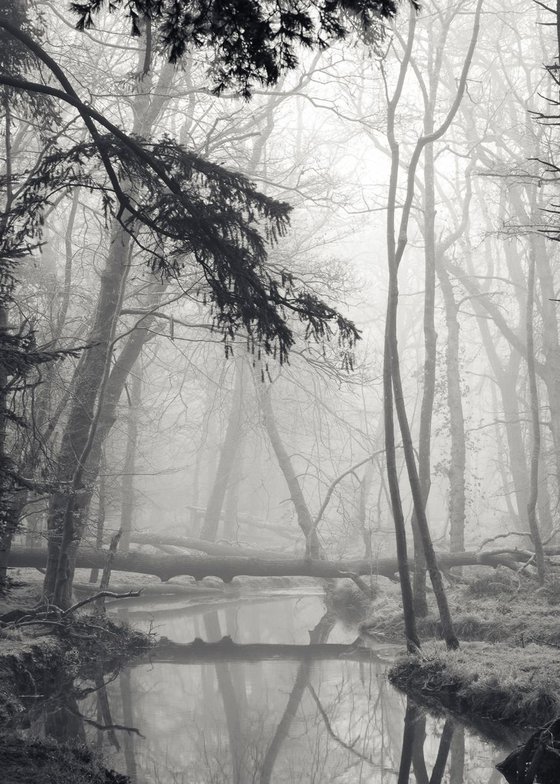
x,y
390,351
228,453
535,424
226,568
412,638
456,416
231,505
64,534
101,514
363,494
80,441
128,497
429,376
506,379
304,518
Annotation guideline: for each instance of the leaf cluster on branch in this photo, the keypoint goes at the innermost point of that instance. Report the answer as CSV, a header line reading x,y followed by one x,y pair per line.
x,y
201,214
253,41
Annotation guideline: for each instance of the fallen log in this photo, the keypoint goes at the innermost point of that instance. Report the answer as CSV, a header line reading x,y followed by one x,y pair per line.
x,y
226,650
210,548
167,566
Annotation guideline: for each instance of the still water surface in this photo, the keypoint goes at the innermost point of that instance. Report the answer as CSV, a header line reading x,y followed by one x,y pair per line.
x,y
285,719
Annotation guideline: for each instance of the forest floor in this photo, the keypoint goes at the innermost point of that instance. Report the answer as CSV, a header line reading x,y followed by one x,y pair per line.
x,y
39,663
508,666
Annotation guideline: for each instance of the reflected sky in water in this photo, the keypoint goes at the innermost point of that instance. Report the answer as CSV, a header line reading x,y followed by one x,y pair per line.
x,y
277,721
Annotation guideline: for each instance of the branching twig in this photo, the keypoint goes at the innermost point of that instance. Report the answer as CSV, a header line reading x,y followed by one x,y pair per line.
x,y
100,595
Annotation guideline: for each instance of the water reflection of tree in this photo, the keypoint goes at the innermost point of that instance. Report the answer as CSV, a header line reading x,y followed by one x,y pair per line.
x,y
381,727
234,721
234,716
319,634
413,745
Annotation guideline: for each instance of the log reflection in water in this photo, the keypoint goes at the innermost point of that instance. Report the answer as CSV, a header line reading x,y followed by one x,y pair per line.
x,y
266,713
200,652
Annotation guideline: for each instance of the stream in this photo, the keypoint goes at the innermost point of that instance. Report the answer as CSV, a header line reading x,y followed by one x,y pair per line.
x,y
285,718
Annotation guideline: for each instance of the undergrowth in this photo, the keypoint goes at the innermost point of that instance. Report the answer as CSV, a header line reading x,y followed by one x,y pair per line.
x,y
491,609
33,761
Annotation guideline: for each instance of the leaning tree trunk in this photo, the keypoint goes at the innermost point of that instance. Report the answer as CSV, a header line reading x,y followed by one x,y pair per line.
x,y
228,454
390,352
412,638
63,533
304,518
80,441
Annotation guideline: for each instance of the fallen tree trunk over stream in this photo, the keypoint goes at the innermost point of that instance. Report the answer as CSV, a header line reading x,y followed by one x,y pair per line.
x,y
226,568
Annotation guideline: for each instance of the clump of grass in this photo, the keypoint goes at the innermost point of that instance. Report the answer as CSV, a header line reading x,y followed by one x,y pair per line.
x,y
551,590
490,585
519,687
349,604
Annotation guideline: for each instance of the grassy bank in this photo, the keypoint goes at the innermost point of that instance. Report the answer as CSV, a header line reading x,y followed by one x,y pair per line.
x,y
494,608
516,686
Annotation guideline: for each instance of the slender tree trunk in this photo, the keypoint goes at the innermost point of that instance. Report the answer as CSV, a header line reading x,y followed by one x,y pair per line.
x,y
535,425
456,416
228,453
412,638
231,506
507,380
101,514
543,500
304,518
128,497
429,385
410,459
363,494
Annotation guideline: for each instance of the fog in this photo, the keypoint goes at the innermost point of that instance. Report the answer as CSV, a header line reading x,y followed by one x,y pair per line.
x,y
316,340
